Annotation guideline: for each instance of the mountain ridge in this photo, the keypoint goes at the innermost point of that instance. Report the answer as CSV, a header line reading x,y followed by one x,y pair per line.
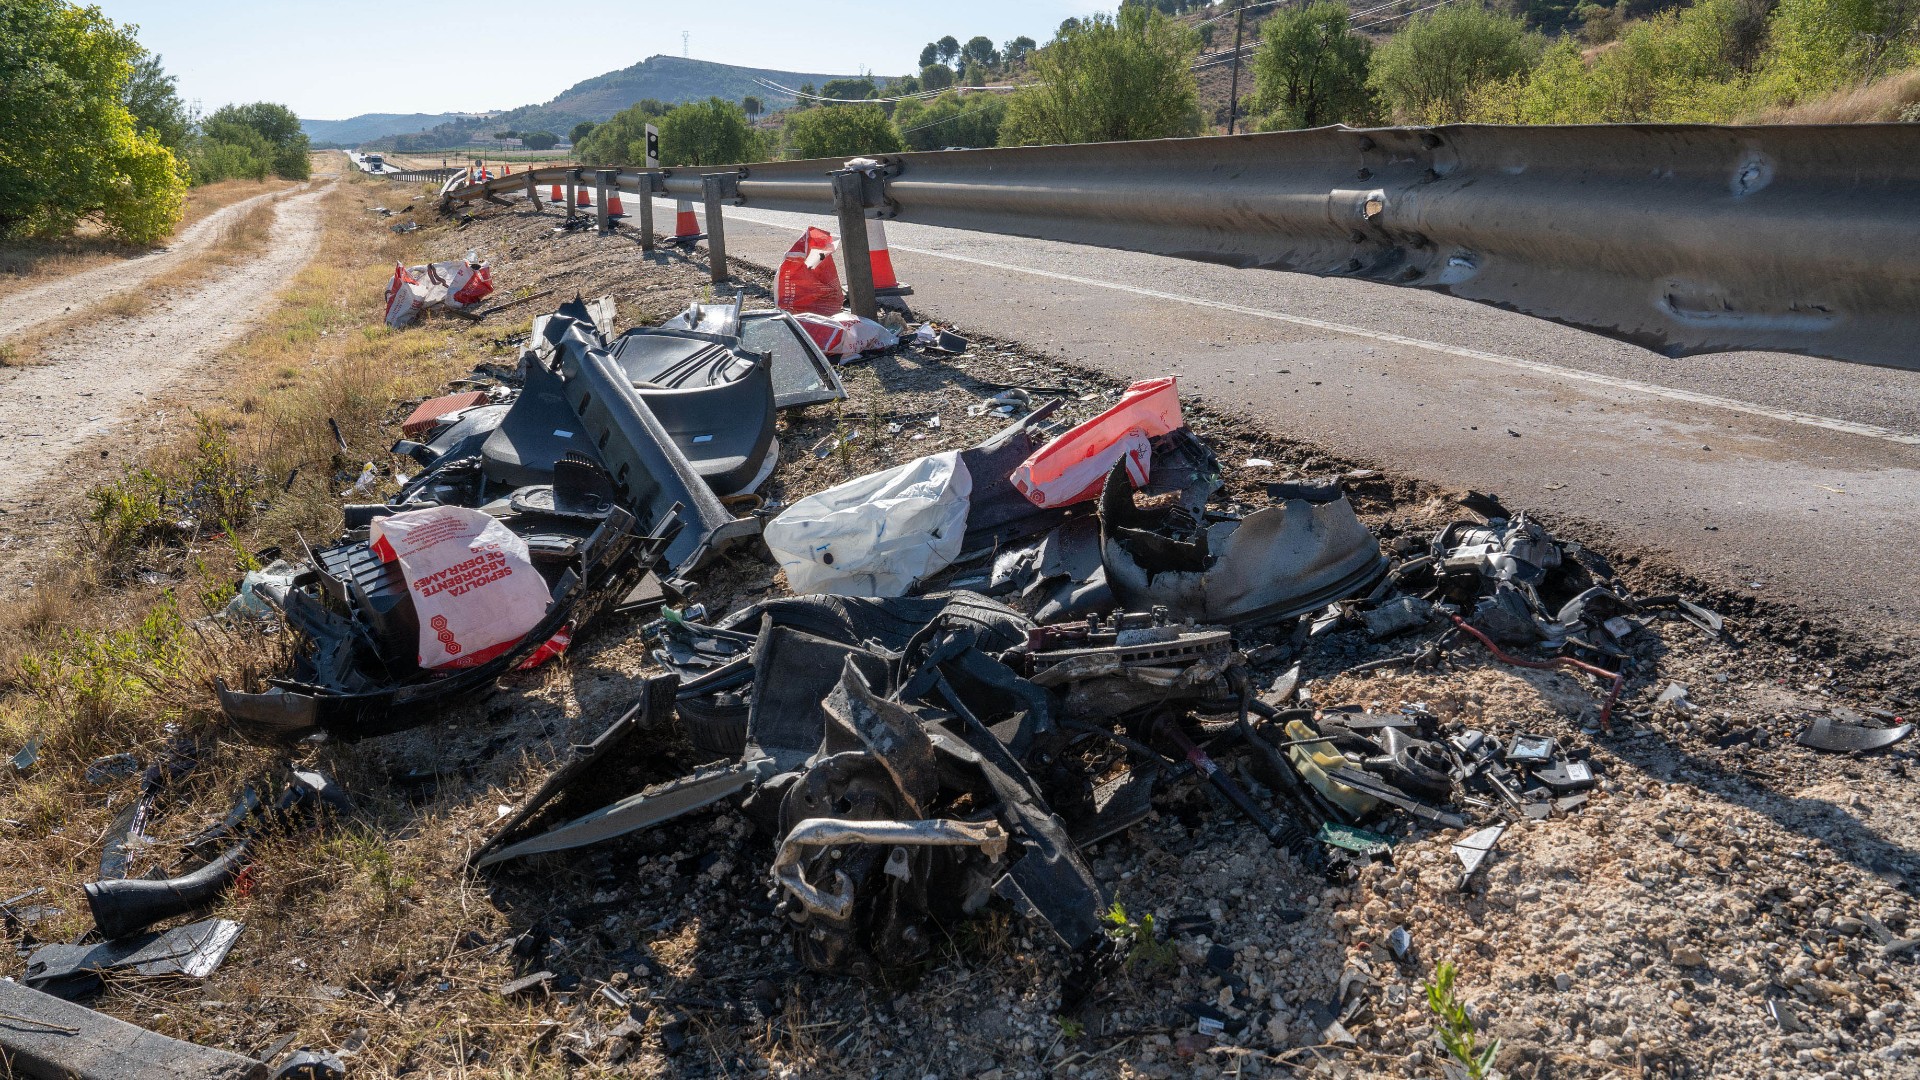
x,y
671,79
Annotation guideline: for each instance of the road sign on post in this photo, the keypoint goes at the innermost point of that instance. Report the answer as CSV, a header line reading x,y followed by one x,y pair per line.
x,y
653,147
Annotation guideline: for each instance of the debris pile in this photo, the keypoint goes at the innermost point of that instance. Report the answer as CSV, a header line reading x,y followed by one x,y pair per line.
x,y
988,661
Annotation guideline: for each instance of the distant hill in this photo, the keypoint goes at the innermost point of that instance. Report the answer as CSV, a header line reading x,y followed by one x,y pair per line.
x,y
358,129
671,79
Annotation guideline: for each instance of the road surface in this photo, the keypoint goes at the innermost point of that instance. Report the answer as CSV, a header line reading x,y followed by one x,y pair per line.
x,y
1793,478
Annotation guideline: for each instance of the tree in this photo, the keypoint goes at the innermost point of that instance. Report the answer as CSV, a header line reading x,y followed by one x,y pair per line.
x,y
979,51
539,140
930,55
1428,72
580,132
710,132
1017,50
949,48
752,106
1109,78
936,77
275,127
620,139
843,131
850,89
952,120
1311,69
1599,23
69,147
805,100
155,105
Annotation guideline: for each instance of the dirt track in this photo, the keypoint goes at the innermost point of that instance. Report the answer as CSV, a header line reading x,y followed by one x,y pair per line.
x,y
31,307
99,374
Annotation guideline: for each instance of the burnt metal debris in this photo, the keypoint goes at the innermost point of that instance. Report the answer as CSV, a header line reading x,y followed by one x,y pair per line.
x,y
908,759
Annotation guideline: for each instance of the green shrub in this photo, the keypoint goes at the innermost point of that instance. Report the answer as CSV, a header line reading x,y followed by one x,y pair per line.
x,y
1430,72
1311,69
1106,78
843,131
69,147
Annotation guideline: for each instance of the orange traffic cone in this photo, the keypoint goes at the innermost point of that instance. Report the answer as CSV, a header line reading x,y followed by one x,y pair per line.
x,y
580,196
686,227
884,283
506,168
553,194
614,209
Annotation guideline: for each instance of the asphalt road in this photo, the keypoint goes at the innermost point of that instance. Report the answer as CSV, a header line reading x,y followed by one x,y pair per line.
x,y
1788,477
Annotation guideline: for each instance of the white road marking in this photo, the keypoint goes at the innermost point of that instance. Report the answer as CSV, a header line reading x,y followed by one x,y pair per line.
x,y
1828,423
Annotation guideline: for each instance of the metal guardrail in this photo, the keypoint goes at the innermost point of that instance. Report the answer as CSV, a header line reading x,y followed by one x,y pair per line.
x,y
1682,238
422,176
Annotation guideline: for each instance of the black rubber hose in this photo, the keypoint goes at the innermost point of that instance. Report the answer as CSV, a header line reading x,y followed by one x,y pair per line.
x,y
123,906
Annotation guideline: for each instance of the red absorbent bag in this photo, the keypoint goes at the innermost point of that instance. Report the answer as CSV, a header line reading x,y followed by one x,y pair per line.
x,y
808,280
405,297
1072,468
477,287
474,587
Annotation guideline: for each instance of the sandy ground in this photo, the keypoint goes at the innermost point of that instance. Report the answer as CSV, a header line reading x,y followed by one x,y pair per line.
x,y
101,377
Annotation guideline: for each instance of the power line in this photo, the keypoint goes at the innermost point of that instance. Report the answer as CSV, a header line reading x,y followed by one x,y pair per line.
x,y
1402,15
922,95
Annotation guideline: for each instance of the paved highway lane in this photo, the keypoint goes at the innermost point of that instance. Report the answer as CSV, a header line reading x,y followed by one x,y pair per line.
x,y
1792,477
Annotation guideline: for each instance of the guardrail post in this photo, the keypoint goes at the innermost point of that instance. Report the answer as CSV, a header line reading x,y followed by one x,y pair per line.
x,y
573,183
647,180
602,215
850,203
720,188
533,192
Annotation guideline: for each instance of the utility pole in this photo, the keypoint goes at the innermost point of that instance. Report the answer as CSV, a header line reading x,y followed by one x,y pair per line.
x,y
1233,101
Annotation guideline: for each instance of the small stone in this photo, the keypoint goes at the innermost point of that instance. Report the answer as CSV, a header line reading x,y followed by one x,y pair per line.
x,y
1687,956
1563,982
1848,925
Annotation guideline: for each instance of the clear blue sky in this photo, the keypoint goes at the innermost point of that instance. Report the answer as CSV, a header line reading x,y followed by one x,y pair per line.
x,y
339,58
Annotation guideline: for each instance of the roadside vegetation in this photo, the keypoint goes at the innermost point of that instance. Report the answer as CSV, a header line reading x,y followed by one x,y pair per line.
x,y
1133,75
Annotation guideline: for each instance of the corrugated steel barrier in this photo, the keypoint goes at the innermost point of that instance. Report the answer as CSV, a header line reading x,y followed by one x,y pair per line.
x,y
1681,238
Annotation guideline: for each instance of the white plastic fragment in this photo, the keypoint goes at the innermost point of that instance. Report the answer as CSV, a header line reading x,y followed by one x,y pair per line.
x,y
878,534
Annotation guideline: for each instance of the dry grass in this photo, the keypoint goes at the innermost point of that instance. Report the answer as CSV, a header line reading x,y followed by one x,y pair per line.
x,y
1895,97
27,263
